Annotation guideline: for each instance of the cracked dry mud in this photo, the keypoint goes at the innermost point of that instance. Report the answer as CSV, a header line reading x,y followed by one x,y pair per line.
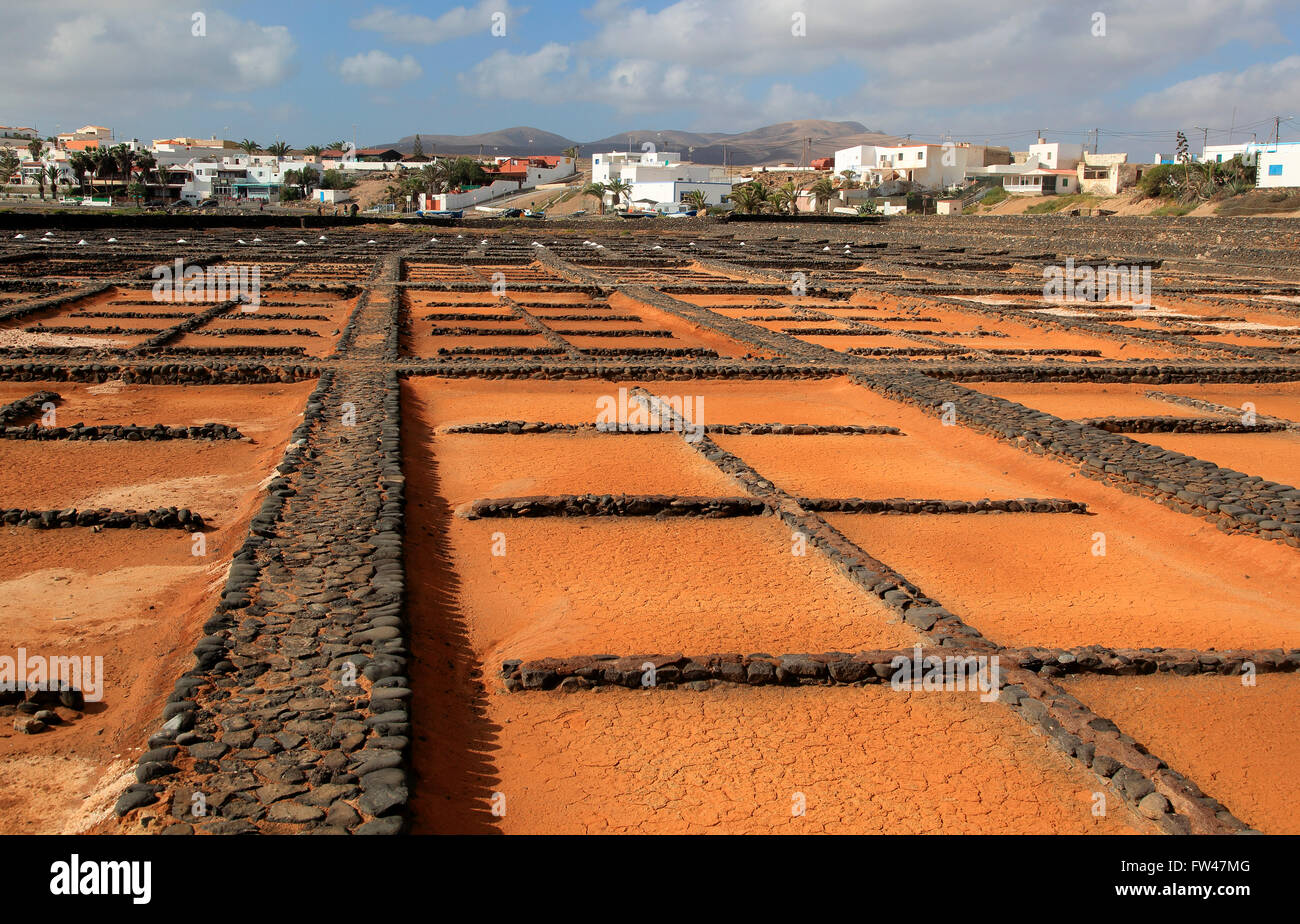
x,y
352,653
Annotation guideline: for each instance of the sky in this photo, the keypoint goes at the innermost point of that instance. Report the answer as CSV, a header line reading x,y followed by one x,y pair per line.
x,y
995,71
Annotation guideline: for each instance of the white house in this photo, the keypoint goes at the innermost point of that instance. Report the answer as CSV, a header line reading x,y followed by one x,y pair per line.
x,y
610,164
1277,164
928,165
1218,153
661,176
17,133
669,182
1056,155
1042,181
860,159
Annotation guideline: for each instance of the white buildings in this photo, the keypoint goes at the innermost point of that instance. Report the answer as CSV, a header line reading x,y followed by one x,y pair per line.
x,y
10,133
931,166
88,136
1277,163
610,165
661,177
1046,169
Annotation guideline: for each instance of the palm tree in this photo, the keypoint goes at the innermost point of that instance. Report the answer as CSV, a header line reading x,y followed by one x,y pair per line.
x,y
597,190
313,150
164,174
98,158
146,162
849,178
80,163
8,165
307,178
696,200
35,147
749,197
336,146
620,188
785,198
571,152
123,161
40,182
302,179
824,190
432,178
249,146
279,149
412,185
395,194
446,168
52,176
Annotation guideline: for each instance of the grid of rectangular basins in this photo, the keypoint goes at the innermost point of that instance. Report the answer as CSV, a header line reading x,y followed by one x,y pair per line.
x,y
511,274
529,588
306,321
135,596
449,323
1209,321
1273,454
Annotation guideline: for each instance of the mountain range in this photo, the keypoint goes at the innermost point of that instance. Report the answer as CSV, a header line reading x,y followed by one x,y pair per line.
x,y
772,144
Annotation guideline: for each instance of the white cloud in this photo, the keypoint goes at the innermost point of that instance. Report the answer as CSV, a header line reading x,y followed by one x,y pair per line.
x,y
996,65
460,22
630,85
537,76
1256,93
118,59
379,69
938,53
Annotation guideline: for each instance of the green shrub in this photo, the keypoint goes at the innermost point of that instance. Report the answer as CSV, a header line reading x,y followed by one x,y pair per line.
x,y
995,195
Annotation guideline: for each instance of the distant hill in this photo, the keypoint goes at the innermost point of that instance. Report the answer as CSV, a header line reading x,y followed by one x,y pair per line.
x,y
772,144
518,140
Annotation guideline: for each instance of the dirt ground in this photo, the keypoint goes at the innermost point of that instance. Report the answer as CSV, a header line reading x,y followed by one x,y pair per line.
x,y
1242,742
136,598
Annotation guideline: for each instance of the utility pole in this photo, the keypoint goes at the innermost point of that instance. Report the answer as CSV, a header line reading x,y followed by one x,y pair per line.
x,y
1205,137
1096,139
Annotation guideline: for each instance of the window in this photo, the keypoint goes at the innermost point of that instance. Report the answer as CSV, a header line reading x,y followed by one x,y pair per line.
x,y
1274,169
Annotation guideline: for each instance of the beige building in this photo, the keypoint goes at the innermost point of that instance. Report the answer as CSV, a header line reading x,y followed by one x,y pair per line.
x,y
1107,174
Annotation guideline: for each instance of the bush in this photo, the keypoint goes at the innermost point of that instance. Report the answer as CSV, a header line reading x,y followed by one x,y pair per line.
x,y
1195,182
995,195
337,179
1157,183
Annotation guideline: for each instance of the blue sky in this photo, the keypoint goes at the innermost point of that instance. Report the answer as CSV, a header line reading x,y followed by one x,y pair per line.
x,y
995,70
